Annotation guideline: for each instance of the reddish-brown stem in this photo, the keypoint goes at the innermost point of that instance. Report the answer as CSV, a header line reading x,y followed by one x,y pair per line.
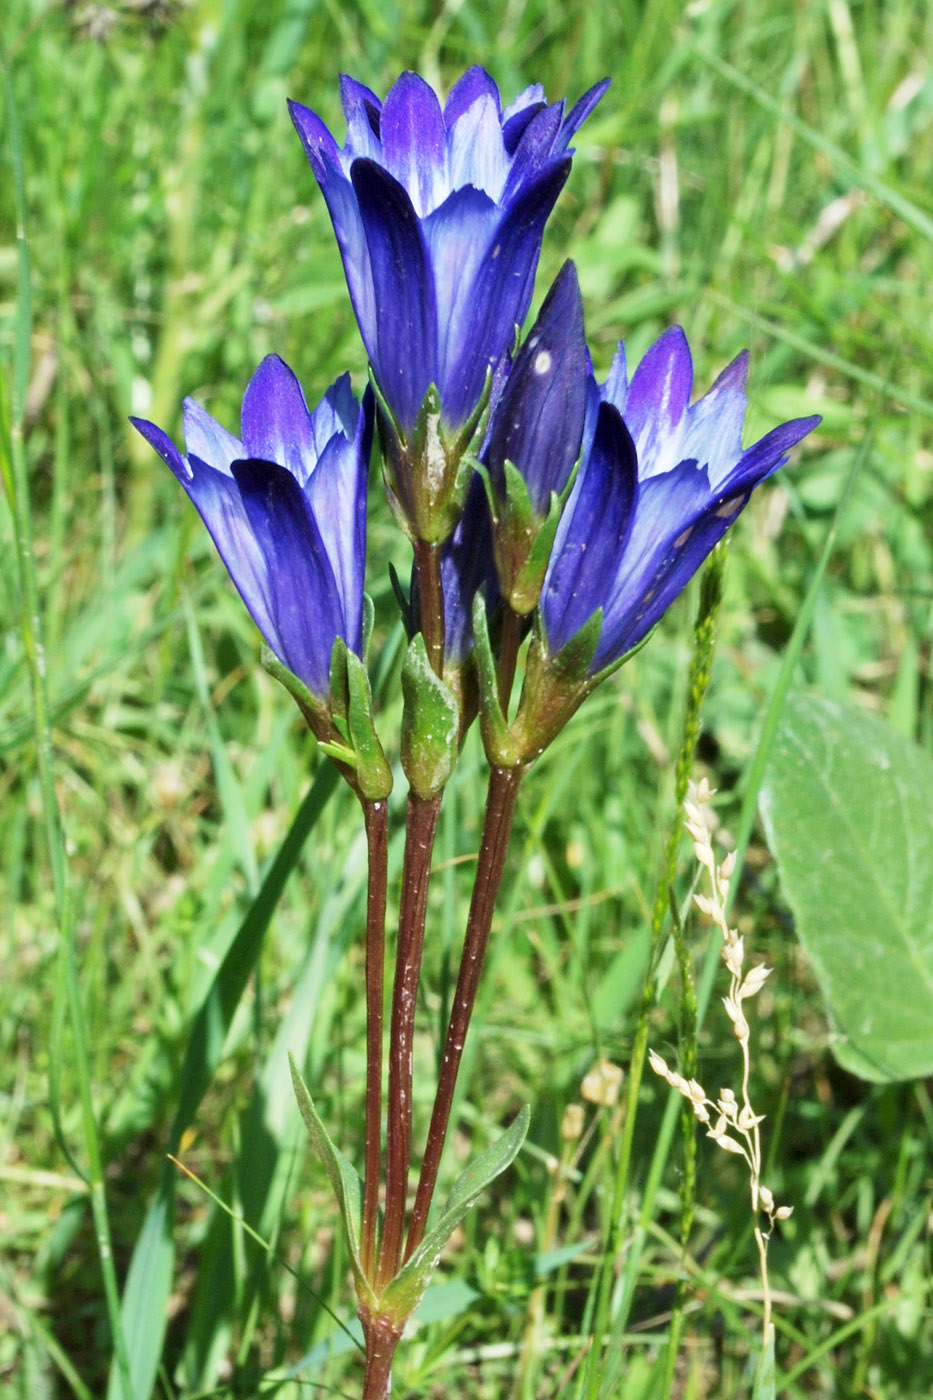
x,y
375,815
419,844
508,655
501,798
430,601
381,1340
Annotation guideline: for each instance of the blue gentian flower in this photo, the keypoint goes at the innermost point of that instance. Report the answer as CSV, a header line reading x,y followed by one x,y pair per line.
x,y
660,483
439,214
536,422
286,508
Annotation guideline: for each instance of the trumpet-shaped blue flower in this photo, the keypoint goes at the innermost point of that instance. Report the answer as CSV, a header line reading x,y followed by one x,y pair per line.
x,y
439,214
660,483
285,504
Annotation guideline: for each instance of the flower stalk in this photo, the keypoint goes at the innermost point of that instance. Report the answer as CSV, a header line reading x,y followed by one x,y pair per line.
x,y
419,845
375,815
502,795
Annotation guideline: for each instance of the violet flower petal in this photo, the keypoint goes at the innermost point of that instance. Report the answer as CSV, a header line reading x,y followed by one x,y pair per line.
x,y
592,533
404,354
537,423
303,593
501,292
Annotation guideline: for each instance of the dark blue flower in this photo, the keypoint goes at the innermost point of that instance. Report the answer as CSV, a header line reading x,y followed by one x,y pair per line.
x,y
660,483
286,508
439,214
537,418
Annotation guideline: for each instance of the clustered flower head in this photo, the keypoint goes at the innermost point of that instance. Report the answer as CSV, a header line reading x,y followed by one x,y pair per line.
x,y
537,499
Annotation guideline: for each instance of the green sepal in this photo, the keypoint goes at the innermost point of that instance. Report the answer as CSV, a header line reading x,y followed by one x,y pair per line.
x,y
555,686
338,681
342,728
369,619
344,1179
498,741
518,497
617,665
314,709
425,474
382,404
522,538
475,425
374,776
430,723
400,1298
575,657
340,753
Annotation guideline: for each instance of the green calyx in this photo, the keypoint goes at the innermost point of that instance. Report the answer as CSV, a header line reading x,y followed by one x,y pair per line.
x,y
430,724
353,717
427,475
522,538
555,686
502,748
343,723
314,709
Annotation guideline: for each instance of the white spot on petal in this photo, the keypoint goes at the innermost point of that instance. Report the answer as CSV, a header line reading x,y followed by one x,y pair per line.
x,y
543,362
731,506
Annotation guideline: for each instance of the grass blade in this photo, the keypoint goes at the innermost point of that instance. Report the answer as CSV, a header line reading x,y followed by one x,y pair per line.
x,y
13,471
150,1274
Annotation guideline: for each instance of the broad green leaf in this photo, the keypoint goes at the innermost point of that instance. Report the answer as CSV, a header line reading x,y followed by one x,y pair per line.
x,y
407,1289
847,809
343,1177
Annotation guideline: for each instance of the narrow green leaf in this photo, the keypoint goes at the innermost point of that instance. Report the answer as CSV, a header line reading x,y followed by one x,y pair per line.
x,y
406,1290
343,1177
213,1022
765,1377
846,807
145,1293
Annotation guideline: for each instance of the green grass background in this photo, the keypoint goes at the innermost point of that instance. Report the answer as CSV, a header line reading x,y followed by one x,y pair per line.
x,y
758,174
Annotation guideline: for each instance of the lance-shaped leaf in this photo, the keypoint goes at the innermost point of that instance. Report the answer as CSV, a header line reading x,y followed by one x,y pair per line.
x,y
343,1178
406,1290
